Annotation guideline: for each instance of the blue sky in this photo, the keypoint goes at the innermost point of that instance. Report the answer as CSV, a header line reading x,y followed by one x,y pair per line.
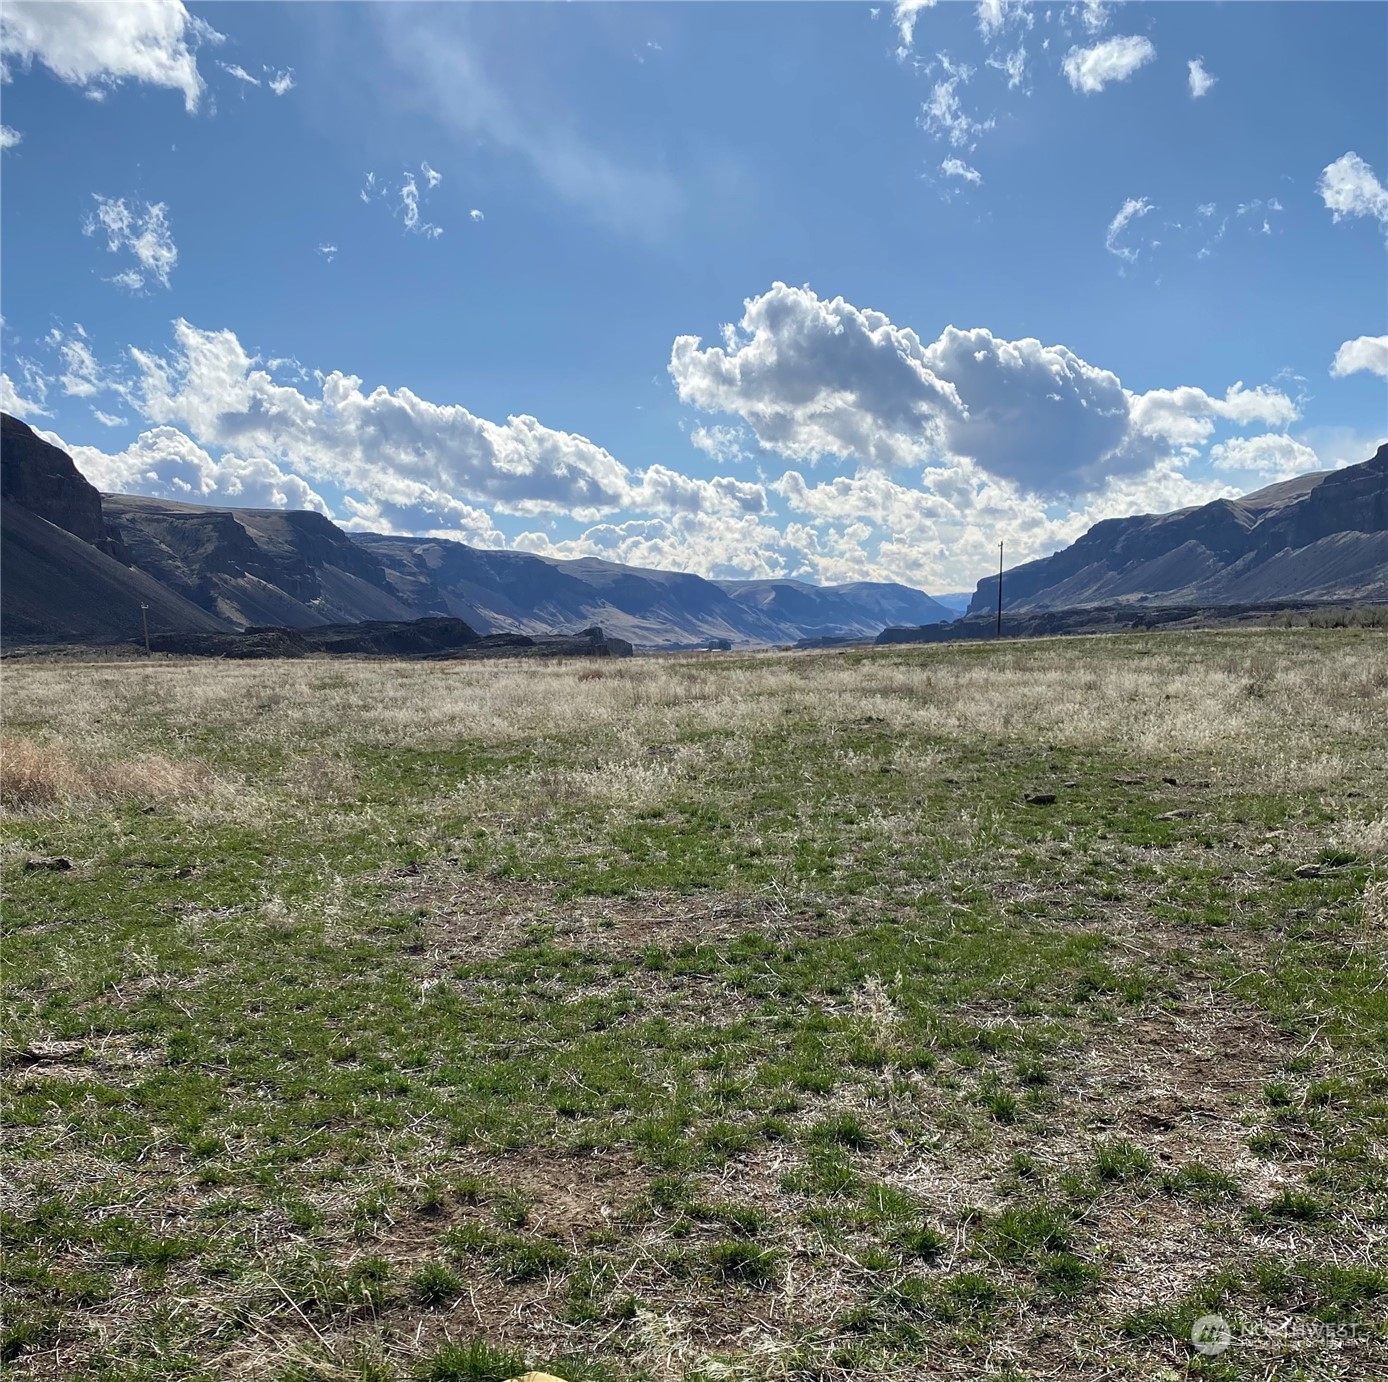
x,y
835,291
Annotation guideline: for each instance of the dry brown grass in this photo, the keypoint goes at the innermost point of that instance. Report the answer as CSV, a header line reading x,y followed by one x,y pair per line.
x,y
36,776
1241,699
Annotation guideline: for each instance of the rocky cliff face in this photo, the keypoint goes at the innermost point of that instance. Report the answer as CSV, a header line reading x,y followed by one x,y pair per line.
x,y
1318,537
40,477
254,566
56,588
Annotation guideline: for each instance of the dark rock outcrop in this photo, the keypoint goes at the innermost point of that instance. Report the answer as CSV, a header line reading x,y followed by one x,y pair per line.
x,y
1124,618
55,588
430,639
66,576
41,477
256,566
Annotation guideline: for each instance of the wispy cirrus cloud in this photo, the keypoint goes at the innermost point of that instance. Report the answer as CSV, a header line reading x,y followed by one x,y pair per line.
x,y
458,83
234,69
406,197
904,16
995,15
1132,209
141,229
943,115
278,80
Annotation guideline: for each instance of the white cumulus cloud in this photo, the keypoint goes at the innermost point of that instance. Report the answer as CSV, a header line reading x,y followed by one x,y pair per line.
x,y
957,168
1111,60
820,378
99,45
1368,353
221,395
1185,417
716,545
665,491
952,443
722,444
1199,79
1350,187
14,403
1275,456
9,138
165,463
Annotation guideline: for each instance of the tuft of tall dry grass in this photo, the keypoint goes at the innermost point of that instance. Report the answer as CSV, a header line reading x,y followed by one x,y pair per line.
x,y
35,776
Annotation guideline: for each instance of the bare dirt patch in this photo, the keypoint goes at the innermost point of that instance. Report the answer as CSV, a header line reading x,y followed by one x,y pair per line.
x,y
472,917
1185,1082
78,1060
567,1198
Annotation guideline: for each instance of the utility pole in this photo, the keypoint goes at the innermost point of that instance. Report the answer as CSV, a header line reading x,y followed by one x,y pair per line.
x,y
144,619
999,632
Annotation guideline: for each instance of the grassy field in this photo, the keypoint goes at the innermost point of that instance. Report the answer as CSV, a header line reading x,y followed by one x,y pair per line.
x,y
916,1013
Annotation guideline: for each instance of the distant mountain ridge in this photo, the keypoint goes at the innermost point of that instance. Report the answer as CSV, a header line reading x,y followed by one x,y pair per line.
x,y
78,565
1322,536
836,611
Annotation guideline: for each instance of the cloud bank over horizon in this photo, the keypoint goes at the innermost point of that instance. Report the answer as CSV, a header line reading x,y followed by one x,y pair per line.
x,y
938,448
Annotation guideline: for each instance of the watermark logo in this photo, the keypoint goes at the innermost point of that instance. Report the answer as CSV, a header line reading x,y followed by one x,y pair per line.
x,y
1211,1335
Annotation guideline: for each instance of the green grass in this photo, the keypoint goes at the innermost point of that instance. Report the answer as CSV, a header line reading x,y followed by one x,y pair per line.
x,y
721,1010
